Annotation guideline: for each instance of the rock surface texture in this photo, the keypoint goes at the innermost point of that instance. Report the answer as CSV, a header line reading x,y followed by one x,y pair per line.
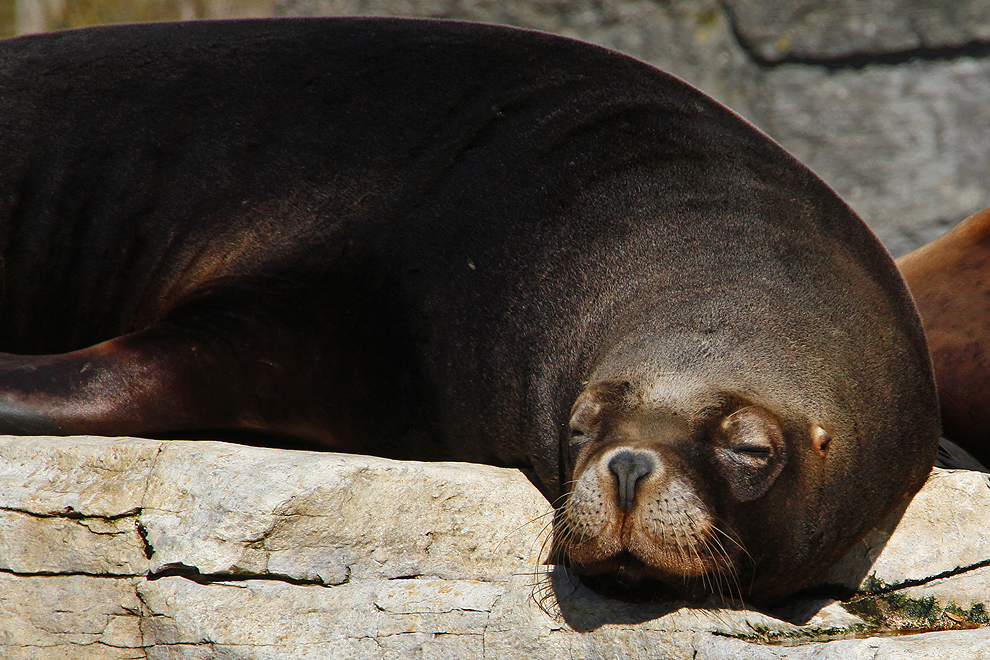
x,y
129,548
887,100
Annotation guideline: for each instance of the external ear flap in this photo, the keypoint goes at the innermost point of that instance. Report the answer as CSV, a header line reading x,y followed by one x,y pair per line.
x,y
820,439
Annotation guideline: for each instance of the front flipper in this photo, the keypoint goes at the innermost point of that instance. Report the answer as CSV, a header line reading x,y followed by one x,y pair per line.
x,y
953,457
157,380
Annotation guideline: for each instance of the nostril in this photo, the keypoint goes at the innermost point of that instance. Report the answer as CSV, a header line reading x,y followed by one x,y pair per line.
x,y
628,468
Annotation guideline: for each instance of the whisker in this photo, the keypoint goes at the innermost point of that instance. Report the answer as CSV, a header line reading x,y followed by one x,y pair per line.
x,y
731,565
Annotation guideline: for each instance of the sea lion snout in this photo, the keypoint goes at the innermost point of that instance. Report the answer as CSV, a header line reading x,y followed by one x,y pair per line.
x,y
635,513
629,467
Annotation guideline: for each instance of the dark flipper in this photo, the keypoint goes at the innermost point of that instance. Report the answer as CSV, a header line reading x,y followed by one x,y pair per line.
x,y
136,384
953,457
153,381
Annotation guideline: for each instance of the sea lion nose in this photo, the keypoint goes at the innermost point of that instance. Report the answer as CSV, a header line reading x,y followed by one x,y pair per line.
x,y
629,467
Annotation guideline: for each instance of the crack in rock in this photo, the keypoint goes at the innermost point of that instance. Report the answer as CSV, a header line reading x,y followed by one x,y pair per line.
x,y
193,574
58,574
856,58
875,587
142,530
71,514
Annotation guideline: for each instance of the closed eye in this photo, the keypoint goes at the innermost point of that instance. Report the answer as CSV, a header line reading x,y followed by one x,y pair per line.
x,y
752,450
578,441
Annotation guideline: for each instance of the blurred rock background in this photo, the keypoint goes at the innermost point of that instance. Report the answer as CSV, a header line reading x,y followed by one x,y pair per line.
x,y
887,100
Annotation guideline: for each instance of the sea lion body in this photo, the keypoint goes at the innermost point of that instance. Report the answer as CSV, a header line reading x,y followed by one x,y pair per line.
x,y
950,281
450,241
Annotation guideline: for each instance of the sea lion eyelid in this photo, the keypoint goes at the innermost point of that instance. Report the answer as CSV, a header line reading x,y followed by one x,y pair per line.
x,y
754,449
575,447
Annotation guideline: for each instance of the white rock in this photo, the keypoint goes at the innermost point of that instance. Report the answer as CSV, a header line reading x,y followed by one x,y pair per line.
x,y
963,590
91,475
55,544
69,616
264,553
943,530
925,646
328,517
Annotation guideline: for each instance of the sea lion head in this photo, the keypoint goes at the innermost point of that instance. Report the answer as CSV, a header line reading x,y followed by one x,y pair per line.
x,y
718,474
673,495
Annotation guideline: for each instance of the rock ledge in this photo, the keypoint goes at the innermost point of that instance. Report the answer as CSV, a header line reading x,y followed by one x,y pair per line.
x,y
131,548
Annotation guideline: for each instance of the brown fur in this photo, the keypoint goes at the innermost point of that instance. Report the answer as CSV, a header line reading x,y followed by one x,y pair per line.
x,y
950,281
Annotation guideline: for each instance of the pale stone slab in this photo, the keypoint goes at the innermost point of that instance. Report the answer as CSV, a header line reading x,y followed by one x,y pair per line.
x,y
964,590
270,619
924,646
284,554
55,544
943,530
418,596
101,477
69,616
227,509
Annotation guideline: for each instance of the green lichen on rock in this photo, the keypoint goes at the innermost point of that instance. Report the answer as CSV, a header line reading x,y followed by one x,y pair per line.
x,y
894,611
802,635
882,610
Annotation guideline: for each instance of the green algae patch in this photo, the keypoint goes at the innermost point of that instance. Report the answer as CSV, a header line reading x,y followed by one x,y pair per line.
x,y
804,635
883,611
895,612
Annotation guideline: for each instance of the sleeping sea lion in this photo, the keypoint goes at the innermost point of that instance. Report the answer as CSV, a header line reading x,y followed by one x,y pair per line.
x,y
440,240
